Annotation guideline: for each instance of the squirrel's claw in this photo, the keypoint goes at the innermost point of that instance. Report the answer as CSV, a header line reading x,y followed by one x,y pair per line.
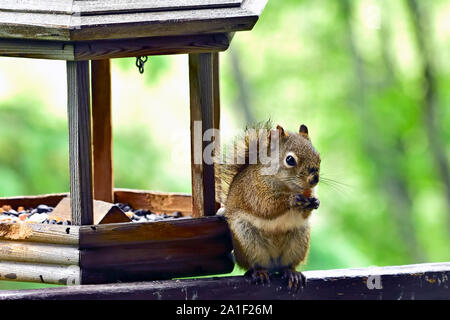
x,y
296,280
258,276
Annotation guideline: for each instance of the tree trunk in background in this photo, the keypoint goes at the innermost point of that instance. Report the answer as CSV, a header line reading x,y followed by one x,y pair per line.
x,y
390,181
385,41
429,101
243,98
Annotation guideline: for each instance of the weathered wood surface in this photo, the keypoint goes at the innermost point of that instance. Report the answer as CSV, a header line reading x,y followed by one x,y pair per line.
x,y
156,252
103,49
201,86
91,7
45,253
39,232
106,49
125,6
162,202
43,273
139,23
170,23
78,84
152,232
102,130
158,270
423,281
22,25
33,201
119,251
216,89
37,49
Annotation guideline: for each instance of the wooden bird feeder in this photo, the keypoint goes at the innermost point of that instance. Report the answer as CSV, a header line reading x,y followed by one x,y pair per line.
x,y
87,33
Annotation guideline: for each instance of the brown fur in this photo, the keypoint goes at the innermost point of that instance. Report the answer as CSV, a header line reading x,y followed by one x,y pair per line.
x,y
269,229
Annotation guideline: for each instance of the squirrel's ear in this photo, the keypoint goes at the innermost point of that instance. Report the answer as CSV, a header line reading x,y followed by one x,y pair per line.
x,y
281,131
304,131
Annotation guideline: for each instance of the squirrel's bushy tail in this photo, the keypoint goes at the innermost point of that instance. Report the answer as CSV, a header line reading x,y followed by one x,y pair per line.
x,y
234,158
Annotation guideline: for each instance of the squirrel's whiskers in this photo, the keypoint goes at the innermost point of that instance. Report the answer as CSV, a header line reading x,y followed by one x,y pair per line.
x,y
337,186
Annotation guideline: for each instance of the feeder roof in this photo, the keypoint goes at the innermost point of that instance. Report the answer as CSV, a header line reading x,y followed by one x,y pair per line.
x,y
83,20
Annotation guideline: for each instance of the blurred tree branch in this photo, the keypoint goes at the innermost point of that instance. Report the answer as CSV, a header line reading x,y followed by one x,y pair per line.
x,y
390,180
429,101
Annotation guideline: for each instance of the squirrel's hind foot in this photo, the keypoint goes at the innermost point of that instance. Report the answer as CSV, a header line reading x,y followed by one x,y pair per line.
x,y
258,276
295,279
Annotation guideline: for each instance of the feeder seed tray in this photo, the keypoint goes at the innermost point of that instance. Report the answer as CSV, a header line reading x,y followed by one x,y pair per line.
x,y
130,251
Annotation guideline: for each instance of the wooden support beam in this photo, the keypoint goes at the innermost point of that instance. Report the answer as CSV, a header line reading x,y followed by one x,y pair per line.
x,y
104,49
55,50
216,92
102,130
107,49
201,84
421,281
216,89
80,141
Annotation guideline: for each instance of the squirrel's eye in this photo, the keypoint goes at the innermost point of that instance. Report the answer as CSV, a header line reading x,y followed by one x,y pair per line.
x,y
290,160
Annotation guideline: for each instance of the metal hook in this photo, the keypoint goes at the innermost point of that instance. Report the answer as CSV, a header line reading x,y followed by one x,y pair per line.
x,y
140,61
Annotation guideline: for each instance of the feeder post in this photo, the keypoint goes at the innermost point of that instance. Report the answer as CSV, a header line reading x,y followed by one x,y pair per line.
x,y
216,88
80,142
102,130
201,83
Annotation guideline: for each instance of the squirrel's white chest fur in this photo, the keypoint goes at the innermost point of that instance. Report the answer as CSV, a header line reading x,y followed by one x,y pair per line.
x,y
291,219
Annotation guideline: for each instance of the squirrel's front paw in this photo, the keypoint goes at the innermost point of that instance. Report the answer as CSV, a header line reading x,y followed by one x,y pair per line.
x,y
306,203
313,203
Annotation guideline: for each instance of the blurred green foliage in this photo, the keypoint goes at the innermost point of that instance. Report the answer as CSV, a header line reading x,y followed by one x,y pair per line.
x,y
353,71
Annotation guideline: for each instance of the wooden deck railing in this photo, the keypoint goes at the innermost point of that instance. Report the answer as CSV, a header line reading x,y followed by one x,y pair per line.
x,y
420,281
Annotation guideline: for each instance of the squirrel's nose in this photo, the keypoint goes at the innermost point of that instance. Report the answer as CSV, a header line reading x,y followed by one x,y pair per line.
x,y
314,180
